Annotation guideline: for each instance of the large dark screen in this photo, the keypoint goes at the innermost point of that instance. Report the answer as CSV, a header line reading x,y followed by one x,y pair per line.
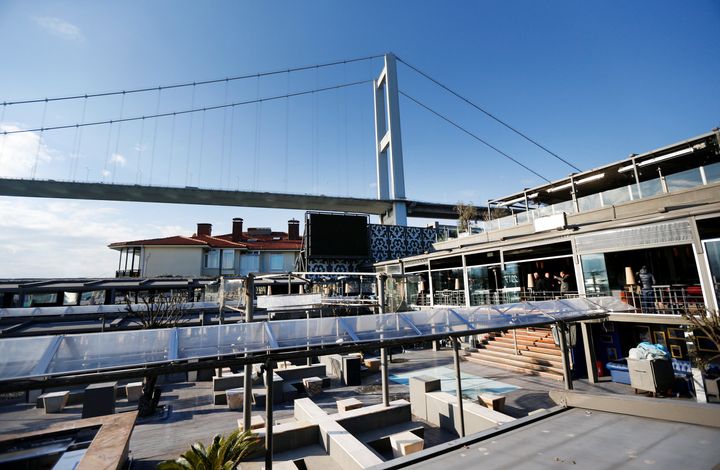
x,y
338,236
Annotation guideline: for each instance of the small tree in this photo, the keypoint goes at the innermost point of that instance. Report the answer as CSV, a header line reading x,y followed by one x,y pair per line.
x,y
707,321
223,453
158,312
466,213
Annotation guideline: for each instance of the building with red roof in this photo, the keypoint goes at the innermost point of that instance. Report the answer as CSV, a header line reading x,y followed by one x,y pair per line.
x,y
204,254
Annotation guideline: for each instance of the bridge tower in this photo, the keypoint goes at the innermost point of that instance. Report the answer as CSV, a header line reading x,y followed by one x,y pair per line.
x,y
388,144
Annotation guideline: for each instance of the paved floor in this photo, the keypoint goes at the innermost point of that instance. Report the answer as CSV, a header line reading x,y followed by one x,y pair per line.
x,y
192,416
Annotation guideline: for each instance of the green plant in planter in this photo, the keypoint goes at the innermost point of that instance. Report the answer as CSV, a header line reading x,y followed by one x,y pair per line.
x,y
224,453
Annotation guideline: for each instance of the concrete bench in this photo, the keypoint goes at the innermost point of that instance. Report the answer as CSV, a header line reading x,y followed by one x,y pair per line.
x,y
235,398
54,402
99,400
297,373
256,422
443,411
492,401
348,404
133,391
289,436
220,384
374,416
313,385
338,441
406,443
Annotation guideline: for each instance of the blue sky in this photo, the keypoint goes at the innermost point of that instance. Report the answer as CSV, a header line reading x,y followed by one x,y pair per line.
x,y
593,81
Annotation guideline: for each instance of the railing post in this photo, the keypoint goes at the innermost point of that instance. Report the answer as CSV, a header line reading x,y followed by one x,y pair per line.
x,y
268,415
515,342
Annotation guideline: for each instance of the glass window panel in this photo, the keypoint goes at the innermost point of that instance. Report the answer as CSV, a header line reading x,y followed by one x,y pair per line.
x,y
684,180
70,298
712,173
277,262
228,260
109,350
95,297
566,206
616,196
19,356
595,274
647,188
590,202
448,287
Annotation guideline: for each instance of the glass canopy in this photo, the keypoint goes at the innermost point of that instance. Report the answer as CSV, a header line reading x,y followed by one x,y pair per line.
x,y
44,356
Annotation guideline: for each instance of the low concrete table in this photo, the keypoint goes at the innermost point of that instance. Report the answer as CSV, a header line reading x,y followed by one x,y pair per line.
x,y
236,398
256,422
99,399
348,404
55,402
313,385
492,401
406,443
133,391
373,364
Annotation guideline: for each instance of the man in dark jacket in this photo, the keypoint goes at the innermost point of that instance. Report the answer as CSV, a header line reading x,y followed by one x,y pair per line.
x,y
564,280
647,296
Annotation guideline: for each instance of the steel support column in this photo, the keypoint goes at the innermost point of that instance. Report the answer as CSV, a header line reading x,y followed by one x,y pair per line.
x,y
567,373
586,329
458,384
268,415
247,379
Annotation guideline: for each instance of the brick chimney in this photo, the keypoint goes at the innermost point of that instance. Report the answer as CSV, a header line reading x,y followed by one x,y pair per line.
x,y
237,229
204,229
293,229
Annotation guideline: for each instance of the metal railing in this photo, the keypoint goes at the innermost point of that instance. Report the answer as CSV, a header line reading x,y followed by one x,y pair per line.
x,y
668,300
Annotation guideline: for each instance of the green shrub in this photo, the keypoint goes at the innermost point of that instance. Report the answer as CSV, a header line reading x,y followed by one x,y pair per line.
x,y
224,453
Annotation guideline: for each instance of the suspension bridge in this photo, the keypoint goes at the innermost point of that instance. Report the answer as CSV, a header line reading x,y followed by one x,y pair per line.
x,y
187,152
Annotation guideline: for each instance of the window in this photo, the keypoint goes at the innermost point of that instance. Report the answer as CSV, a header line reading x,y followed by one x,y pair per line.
x,y
212,258
228,259
277,262
249,262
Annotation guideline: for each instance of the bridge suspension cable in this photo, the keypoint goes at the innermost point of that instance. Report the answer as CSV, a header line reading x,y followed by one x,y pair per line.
x,y
187,111
489,114
474,136
189,84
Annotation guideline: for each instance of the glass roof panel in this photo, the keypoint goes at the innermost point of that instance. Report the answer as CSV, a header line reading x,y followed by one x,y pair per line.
x,y
83,352
19,356
28,357
377,327
220,340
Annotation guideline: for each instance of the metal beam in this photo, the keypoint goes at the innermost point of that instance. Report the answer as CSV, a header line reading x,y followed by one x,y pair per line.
x,y
42,365
348,329
458,384
270,336
173,345
268,414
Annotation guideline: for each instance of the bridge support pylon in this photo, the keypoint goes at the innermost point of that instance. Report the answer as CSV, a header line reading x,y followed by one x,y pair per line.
x,y
388,143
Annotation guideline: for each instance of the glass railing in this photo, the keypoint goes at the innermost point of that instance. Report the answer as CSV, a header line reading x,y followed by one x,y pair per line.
x,y
687,179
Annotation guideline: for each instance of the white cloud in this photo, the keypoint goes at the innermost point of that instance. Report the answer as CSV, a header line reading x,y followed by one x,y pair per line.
x,y
56,238
140,147
105,173
18,152
59,27
118,159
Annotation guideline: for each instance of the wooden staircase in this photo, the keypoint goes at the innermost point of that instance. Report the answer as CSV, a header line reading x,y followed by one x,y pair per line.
x,y
536,352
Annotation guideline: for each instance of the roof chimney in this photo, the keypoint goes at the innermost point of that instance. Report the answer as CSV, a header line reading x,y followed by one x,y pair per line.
x,y
204,230
237,229
293,229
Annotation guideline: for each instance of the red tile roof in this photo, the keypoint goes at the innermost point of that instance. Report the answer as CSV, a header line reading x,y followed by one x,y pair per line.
x,y
252,241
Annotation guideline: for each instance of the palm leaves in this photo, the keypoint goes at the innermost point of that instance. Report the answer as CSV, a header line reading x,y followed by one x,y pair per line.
x,y
224,453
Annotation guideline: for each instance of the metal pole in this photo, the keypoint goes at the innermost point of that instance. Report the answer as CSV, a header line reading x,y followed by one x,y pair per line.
x,y
383,351
567,374
515,342
247,379
384,374
458,385
268,415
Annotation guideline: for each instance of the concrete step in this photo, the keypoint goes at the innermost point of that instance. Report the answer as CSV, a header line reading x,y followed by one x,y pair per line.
x,y
523,342
523,353
506,355
515,361
511,347
522,370
527,337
